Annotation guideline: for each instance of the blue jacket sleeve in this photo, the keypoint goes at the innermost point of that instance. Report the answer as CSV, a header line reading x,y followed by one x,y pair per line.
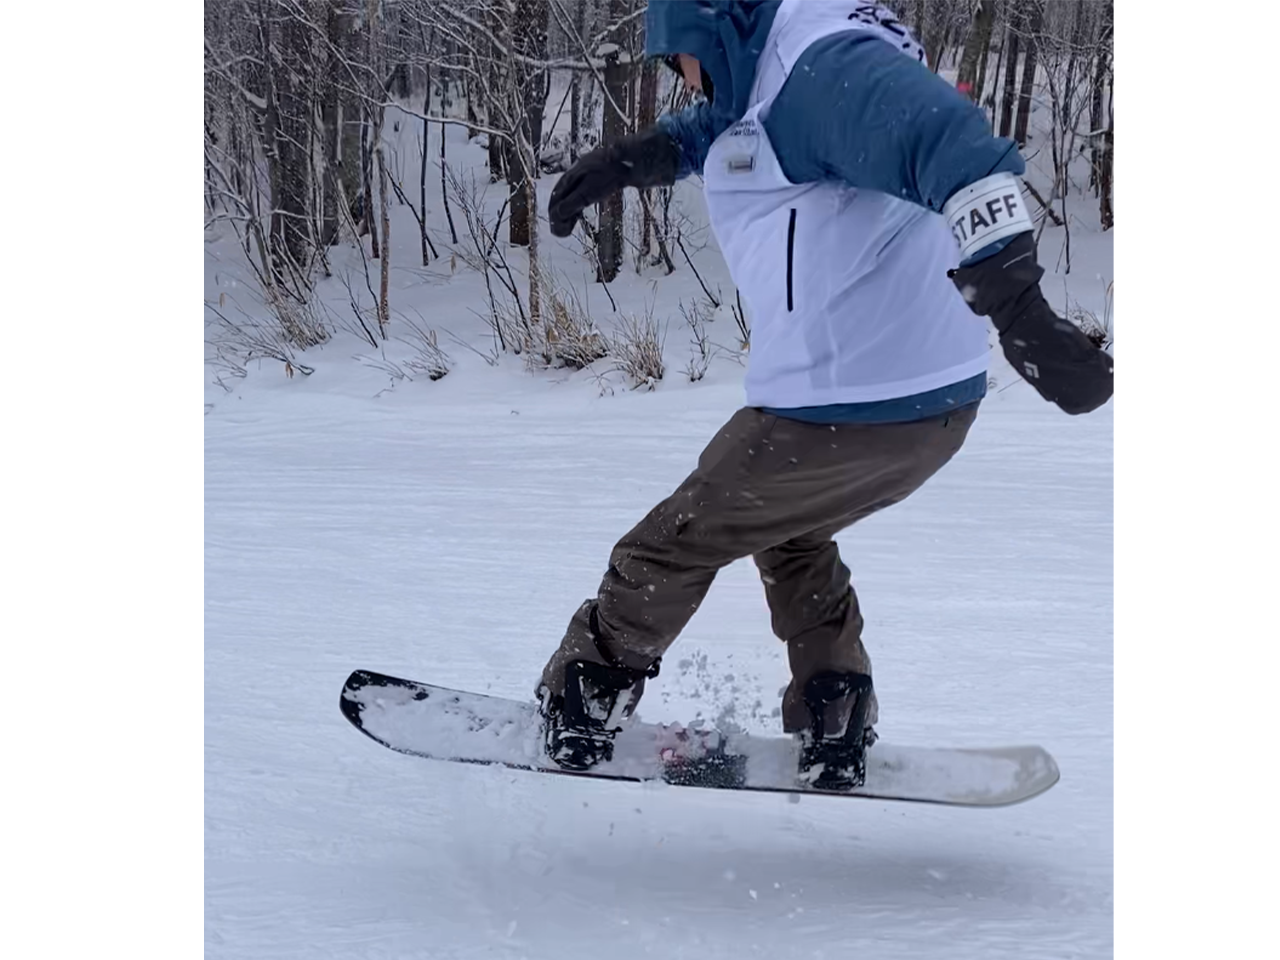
x,y
693,129
857,110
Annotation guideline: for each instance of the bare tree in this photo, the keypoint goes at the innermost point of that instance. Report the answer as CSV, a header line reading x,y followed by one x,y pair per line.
x,y
646,113
347,48
1060,44
528,86
444,185
501,47
984,59
576,83
1101,69
617,71
990,102
1028,71
494,66
375,32
259,142
1106,156
1079,19
330,125
976,48
286,50
1010,67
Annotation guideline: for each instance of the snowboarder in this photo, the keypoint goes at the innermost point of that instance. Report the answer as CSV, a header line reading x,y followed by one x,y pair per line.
x,y
870,220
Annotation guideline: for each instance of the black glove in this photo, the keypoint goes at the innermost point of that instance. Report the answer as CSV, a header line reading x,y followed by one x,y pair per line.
x,y
641,160
1051,354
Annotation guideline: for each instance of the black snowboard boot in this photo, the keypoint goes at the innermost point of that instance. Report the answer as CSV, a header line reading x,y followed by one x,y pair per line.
x,y
580,726
833,750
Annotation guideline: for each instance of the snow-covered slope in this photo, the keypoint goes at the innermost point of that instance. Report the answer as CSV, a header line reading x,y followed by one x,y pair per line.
x,y
446,536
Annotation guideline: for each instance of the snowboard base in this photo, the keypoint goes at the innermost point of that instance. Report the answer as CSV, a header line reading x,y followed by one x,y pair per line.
x,y
457,726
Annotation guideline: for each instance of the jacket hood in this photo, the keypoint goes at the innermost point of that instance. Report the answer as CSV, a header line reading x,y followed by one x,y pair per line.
x,y
727,37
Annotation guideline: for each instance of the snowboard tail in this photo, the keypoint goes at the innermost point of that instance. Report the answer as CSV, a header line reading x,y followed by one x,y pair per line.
x,y
457,726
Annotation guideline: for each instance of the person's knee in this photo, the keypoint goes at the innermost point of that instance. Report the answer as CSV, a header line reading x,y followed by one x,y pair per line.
x,y
803,566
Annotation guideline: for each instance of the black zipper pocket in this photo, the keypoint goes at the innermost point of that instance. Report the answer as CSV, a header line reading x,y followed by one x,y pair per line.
x,y
791,252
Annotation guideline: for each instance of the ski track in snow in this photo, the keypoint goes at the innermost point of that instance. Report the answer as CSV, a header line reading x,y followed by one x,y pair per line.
x,y
449,541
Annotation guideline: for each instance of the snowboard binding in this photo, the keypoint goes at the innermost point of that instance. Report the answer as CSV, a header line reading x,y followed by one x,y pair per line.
x,y
833,750
579,727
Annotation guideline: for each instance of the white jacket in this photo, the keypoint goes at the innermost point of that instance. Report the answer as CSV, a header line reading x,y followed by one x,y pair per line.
x,y
848,289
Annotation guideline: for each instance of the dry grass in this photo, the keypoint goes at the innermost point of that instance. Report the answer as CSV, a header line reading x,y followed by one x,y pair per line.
x,y
567,336
1098,329
428,359
637,349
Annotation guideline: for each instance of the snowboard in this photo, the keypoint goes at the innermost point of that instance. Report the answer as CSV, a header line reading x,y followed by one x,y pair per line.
x,y
453,725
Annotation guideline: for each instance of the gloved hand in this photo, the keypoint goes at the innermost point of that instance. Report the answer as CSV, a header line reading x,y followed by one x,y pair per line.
x,y
1051,354
641,160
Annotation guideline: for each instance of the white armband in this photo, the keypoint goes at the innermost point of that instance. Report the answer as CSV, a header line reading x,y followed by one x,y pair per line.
x,y
986,211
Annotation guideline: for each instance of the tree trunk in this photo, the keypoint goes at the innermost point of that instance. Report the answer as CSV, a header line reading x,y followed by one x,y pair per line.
x,y
215,97
645,114
995,84
422,169
468,94
445,75
648,107
933,32
384,305
377,30
983,59
614,129
469,85
1028,74
535,264
575,114
532,43
349,125
329,114
339,144
444,190
497,86
1105,213
1010,69
1100,73
270,117
367,223
497,156
575,87
518,196
211,202
976,47
290,68
528,90
1069,86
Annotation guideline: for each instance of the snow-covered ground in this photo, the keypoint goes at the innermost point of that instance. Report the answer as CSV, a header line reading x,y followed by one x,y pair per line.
x,y
449,539
445,531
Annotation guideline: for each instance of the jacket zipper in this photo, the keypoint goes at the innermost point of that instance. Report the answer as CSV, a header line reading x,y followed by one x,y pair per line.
x,y
791,251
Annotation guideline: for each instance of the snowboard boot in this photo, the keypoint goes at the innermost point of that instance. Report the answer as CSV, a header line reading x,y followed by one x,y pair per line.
x,y
580,726
833,749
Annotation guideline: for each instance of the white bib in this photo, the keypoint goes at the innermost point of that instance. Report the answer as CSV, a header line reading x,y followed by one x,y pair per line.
x,y
848,289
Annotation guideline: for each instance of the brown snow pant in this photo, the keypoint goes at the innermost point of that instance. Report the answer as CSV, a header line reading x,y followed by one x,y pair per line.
x,y
777,490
